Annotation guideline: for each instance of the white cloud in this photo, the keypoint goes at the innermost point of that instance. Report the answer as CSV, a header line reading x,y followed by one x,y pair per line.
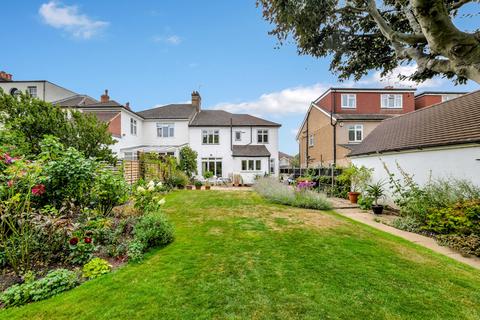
x,y
288,101
69,18
393,79
173,39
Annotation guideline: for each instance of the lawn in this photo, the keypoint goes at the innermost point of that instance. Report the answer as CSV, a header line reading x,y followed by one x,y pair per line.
x,y
236,257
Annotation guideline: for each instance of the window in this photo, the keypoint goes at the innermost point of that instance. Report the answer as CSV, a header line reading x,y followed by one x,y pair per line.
x,y
165,130
391,101
251,165
210,136
130,155
355,133
349,101
272,166
262,136
32,91
310,140
133,126
214,165
238,135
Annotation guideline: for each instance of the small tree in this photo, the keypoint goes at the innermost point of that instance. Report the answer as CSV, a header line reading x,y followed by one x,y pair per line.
x,y
188,161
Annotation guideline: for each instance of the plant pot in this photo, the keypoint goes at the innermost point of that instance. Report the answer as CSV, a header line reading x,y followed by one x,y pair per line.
x,y
189,187
353,197
207,187
180,187
198,187
377,209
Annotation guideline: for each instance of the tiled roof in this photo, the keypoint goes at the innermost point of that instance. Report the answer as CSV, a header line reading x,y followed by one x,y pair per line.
x,y
284,155
456,121
220,118
353,116
104,116
171,111
78,100
250,151
110,103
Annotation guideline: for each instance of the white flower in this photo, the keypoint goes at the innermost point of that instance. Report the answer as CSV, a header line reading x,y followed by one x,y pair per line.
x,y
151,184
161,202
141,189
151,188
159,184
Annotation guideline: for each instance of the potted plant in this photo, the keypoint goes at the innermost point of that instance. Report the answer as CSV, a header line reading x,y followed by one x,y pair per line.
x,y
207,176
198,185
376,191
358,177
189,187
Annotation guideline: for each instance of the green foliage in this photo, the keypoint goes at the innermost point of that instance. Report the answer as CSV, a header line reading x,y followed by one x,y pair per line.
x,y
188,161
278,192
465,244
460,218
150,197
358,177
95,268
27,120
153,230
109,190
53,283
365,202
375,191
198,183
179,179
81,250
407,223
208,175
135,251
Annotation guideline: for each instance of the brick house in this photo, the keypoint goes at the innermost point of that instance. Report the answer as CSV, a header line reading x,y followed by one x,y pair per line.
x,y
430,98
342,117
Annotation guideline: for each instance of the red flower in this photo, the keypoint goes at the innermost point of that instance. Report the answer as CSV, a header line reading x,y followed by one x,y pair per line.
x,y
87,240
10,183
38,190
8,159
74,241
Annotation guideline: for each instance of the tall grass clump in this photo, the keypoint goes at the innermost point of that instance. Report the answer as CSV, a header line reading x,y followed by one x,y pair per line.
x,y
276,192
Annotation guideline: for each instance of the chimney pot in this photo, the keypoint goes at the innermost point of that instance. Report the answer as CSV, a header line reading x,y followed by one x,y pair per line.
x,y
196,100
127,105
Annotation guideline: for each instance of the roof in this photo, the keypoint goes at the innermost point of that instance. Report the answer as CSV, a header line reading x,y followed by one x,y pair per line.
x,y
453,122
371,89
171,111
78,100
220,118
284,155
352,116
250,151
109,103
104,116
424,93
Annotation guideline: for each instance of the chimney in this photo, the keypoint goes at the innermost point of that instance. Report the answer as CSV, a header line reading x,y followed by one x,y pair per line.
x,y
127,105
5,76
196,100
104,97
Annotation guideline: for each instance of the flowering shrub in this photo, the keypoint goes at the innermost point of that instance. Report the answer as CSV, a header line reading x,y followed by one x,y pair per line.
x,y
81,250
277,192
109,190
150,197
305,185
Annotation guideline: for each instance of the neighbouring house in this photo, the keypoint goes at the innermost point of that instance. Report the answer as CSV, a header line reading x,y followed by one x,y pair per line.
x,y
41,89
284,161
342,117
442,141
430,98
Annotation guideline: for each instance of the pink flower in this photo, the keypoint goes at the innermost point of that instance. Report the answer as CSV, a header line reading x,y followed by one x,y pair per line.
x,y
8,159
38,190
10,183
87,240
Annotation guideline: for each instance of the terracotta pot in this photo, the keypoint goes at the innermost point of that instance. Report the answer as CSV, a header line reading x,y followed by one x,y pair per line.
x,y
353,197
180,187
207,187
377,209
198,187
189,187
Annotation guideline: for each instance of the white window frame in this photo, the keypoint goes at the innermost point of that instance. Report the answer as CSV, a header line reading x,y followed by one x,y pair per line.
x,y
32,91
355,128
311,140
170,130
210,133
349,101
272,165
130,155
251,165
263,133
206,164
238,135
396,98
133,127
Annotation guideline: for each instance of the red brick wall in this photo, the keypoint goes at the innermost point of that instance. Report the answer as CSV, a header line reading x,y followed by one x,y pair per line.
x,y
367,103
115,125
427,100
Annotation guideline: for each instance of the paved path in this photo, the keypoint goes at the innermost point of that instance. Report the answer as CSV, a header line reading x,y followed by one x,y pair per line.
x,y
353,212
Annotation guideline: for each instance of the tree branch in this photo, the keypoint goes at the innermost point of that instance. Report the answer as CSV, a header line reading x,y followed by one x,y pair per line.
x,y
457,5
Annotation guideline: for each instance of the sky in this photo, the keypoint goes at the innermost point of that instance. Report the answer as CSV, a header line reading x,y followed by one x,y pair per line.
x,y
151,53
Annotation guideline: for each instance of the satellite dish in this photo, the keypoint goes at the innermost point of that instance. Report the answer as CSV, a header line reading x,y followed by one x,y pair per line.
x,y
14,92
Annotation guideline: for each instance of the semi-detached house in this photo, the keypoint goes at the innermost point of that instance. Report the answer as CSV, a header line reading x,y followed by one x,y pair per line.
x,y
226,143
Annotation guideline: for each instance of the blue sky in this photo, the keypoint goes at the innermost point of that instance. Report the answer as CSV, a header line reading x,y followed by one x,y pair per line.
x,y
156,52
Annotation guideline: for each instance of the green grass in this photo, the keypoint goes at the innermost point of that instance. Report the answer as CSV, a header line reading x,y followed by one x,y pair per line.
x,y
237,257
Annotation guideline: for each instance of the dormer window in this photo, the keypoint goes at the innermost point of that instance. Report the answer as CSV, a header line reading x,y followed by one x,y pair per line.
x,y
349,101
392,101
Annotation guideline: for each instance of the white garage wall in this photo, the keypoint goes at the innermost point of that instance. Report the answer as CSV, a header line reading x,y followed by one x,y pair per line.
x,y
460,162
